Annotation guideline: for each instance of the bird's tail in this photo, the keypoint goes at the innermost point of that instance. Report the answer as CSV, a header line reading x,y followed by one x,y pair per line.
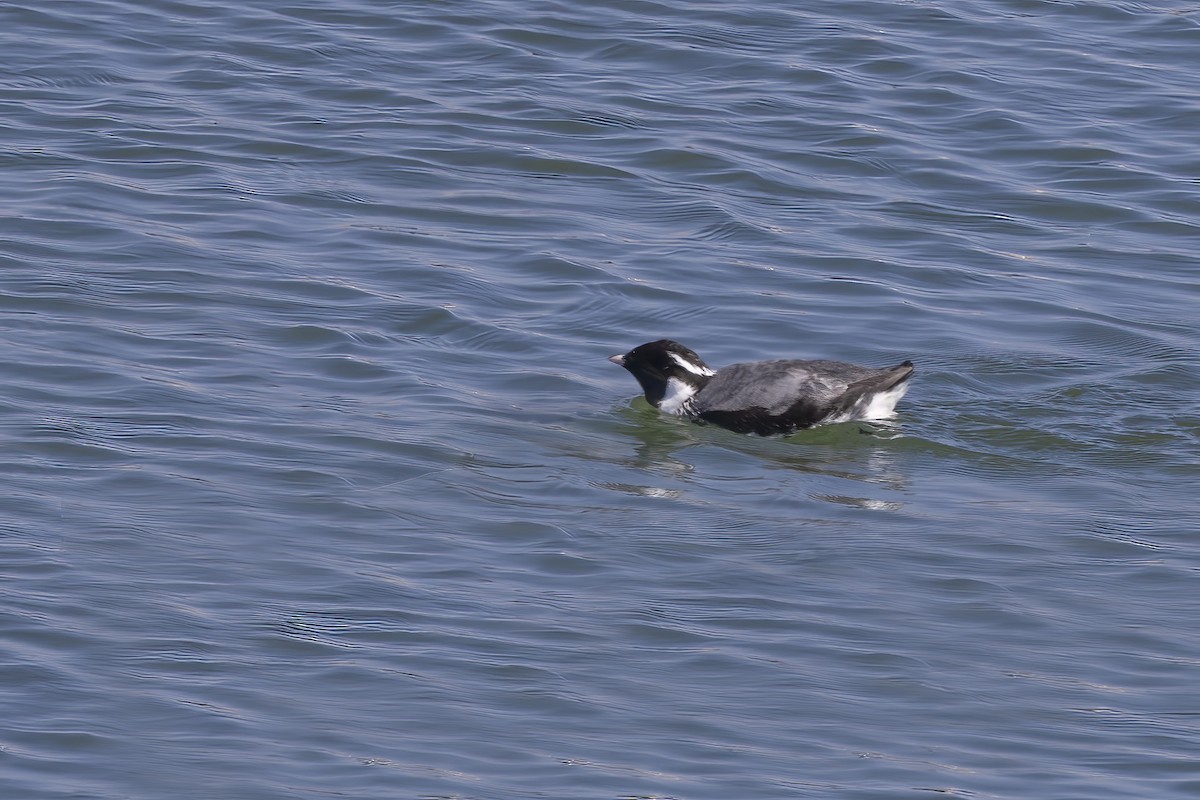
x,y
875,397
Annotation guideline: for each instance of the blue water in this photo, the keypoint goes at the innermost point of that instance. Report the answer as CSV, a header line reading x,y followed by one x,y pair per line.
x,y
319,483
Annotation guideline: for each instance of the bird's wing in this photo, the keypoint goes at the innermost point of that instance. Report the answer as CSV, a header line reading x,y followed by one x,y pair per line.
x,y
775,386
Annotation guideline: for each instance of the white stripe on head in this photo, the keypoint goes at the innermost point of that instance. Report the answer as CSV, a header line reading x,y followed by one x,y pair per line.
x,y
690,366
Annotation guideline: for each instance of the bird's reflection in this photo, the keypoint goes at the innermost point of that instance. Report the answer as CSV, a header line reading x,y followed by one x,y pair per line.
x,y
862,454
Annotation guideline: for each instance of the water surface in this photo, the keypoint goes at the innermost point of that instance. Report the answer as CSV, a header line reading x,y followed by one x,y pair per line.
x,y
319,483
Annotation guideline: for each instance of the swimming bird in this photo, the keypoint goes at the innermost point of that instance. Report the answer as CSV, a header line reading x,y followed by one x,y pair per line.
x,y
763,397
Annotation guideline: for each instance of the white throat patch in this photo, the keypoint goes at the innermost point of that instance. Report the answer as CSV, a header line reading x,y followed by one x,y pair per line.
x,y
695,369
678,397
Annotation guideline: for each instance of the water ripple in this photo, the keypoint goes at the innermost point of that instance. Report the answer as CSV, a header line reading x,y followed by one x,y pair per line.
x,y
315,463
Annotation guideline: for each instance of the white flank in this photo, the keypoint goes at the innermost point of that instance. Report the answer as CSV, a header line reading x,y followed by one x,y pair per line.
x,y
695,369
880,405
678,397
883,404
